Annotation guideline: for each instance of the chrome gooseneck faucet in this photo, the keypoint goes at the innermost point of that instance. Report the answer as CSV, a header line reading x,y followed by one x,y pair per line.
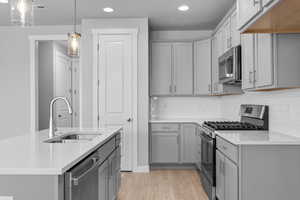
x,y
52,127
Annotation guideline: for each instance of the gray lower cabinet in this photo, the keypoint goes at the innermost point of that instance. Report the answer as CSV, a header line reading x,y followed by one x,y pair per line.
x,y
165,147
226,178
103,181
174,144
189,143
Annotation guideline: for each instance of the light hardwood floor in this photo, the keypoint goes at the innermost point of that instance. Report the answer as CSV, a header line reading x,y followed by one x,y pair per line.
x,y
162,185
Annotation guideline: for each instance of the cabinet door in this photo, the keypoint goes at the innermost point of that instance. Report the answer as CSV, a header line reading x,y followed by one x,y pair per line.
x,y
112,180
227,32
223,40
103,181
164,147
220,178
189,143
247,9
264,74
231,180
235,33
161,68
183,68
214,65
198,148
219,43
248,63
202,67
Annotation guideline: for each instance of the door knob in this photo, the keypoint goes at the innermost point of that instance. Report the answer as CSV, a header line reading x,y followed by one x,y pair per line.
x,y
129,120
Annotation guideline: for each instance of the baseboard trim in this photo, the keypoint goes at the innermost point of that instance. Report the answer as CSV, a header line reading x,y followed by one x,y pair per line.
x,y
173,166
142,169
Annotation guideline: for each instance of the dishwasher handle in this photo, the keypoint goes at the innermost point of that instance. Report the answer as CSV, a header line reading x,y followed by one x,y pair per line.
x,y
96,162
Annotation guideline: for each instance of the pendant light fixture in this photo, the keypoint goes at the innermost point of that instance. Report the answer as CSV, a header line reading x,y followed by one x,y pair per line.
x,y
21,12
74,38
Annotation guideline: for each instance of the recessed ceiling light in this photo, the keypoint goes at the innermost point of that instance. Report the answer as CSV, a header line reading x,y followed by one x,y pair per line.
x,y
3,1
183,8
108,9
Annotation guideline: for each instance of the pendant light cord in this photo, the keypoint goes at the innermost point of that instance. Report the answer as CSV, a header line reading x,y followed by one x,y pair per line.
x,y
75,14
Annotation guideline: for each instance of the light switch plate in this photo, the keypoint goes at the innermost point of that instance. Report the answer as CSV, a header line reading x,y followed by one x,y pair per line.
x,y
6,198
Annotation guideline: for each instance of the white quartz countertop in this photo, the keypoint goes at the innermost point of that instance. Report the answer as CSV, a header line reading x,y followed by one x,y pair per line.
x,y
29,155
258,138
198,121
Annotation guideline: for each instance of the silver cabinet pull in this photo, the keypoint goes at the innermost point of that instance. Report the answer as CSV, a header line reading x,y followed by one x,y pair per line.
x,y
170,88
250,77
129,120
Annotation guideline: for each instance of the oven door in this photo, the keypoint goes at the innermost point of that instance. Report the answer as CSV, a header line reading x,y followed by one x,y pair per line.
x,y
208,163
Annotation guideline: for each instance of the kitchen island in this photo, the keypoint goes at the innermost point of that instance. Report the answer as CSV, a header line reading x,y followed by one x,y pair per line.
x,y
31,169
260,165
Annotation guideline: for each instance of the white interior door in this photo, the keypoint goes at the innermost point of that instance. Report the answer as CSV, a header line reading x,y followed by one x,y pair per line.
x,y
115,91
62,87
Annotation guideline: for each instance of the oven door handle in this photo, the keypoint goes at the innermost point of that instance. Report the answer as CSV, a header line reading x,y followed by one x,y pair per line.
x,y
96,163
206,138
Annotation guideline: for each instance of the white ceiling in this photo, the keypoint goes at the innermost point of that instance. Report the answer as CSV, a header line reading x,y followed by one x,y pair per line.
x,y
163,14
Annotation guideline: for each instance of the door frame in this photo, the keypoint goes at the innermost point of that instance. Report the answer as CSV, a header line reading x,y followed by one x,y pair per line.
x,y
134,33
34,111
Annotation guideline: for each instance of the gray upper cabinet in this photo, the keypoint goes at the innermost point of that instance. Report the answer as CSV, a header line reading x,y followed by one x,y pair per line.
x,y
189,143
235,33
247,10
264,68
247,42
161,68
266,63
183,68
171,69
202,67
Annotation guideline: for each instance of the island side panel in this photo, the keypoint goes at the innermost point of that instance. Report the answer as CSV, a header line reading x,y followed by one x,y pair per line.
x,y
270,172
32,187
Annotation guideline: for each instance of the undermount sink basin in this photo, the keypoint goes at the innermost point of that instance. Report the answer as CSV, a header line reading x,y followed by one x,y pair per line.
x,y
72,138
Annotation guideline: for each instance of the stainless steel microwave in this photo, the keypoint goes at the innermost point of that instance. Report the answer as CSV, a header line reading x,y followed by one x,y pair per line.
x,y
230,66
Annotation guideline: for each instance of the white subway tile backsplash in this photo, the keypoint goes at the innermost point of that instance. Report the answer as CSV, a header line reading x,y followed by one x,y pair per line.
x,y
284,108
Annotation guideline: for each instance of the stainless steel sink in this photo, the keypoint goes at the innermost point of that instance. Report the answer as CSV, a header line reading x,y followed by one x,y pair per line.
x,y
72,138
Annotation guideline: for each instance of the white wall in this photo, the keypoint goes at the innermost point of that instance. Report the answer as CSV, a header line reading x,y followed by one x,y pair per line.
x,y
284,108
15,77
45,81
143,73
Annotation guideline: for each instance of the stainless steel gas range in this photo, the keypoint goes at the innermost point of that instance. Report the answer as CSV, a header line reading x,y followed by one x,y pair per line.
x,y
253,117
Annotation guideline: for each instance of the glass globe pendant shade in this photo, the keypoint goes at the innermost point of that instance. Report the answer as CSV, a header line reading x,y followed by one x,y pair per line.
x,y
73,44
21,12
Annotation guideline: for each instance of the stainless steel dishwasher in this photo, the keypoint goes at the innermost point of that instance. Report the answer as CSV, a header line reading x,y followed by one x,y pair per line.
x,y
82,182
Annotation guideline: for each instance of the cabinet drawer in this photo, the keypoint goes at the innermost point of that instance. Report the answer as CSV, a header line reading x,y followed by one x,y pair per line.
x,y
228,149
165,127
